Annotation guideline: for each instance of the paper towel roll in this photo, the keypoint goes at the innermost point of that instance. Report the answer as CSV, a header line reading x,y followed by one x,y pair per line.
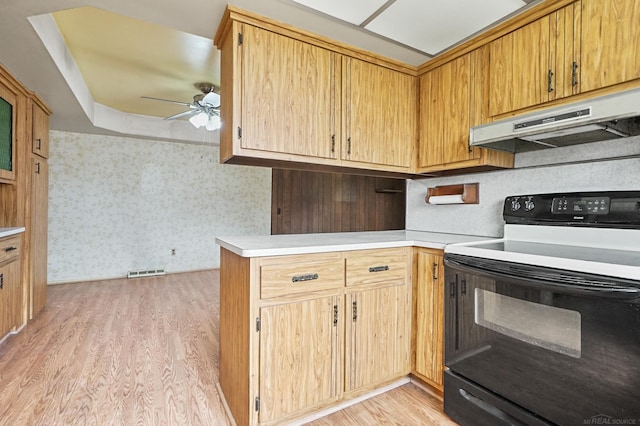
x,y
446,199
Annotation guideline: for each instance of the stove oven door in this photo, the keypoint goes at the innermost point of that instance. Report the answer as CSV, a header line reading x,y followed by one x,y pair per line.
x,y
560,346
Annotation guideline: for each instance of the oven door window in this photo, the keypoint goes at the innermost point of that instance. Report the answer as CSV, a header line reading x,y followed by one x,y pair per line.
x,y
547,327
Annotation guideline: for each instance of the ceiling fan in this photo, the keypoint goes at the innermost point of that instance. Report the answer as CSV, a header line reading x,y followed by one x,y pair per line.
x,y
203,111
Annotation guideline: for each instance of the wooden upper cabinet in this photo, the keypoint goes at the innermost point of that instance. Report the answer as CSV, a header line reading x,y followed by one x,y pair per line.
x,y
536,63
40,139
453,99
9,127
379,113
610,43
444,114
519,68
286,95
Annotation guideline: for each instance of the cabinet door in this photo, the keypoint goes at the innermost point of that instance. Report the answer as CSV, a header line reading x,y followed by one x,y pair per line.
x,y
299,356
565,47
287,93
40,141
8,130
39,234
445,114
429,318
10,297
519,68
377,336
379,109
610,42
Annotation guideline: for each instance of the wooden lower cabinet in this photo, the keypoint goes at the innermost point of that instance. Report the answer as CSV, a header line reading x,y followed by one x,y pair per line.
x,y
295,338
299,350
428,319
377,336
39,241
11,289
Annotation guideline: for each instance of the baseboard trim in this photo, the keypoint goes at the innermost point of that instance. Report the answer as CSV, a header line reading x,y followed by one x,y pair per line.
x,y
225,405
348,403
425,387
124,276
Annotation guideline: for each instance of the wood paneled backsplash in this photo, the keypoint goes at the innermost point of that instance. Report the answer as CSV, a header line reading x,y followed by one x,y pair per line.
x,y
306,202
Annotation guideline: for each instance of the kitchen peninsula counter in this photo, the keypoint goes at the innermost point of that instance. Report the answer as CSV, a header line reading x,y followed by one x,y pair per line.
x,y
312,322
290,244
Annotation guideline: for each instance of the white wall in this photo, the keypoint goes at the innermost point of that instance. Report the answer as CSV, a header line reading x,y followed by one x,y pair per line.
x,y
535,173
118,204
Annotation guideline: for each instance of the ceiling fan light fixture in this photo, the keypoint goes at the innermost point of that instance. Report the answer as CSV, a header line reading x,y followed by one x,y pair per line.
x,y
213,123
199,120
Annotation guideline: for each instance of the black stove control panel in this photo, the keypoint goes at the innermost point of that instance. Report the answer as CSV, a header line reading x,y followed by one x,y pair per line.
x,y
581,205
617,209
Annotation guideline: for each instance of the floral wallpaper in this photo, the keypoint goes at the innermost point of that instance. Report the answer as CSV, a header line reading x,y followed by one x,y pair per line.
x,y
118,204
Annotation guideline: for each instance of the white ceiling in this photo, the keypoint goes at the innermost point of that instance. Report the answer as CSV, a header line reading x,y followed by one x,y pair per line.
x,y
24,53
429,26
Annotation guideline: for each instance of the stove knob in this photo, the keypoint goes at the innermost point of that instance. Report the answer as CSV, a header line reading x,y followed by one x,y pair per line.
x,y
515,205
529,205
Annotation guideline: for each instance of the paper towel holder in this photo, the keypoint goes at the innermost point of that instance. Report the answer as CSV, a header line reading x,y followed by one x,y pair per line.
x,y
467,194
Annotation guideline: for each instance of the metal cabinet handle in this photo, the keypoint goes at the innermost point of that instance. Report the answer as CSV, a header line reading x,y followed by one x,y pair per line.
x,y
349,145
463,287
12,248
379,268
434,271
574,74
38,168
354,307
335,315
550,81
38,143
1,281
307,277
333,143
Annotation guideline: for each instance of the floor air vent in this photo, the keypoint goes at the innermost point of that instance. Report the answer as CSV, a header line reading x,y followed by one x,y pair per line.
x,y
145,273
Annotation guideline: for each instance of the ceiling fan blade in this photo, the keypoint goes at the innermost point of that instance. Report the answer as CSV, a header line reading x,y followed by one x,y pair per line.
x,y
165,100
212,99
181,114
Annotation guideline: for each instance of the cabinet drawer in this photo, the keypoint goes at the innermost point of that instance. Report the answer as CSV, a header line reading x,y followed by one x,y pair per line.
x,y
10,247
287,275
377,266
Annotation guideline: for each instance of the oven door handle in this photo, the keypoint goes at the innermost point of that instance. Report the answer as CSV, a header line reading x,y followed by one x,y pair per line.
x,y
567,282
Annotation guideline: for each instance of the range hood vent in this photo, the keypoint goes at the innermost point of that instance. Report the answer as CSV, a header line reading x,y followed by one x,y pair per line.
x,y
608,117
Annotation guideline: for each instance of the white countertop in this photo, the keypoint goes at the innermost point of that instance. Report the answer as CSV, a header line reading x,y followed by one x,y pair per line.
x,y
278,245
6,232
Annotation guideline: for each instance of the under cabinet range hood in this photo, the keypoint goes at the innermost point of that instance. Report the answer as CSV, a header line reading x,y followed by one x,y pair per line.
x,y
608,117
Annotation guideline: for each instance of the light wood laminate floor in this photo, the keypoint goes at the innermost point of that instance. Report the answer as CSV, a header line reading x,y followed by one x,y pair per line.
x,y
144,351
